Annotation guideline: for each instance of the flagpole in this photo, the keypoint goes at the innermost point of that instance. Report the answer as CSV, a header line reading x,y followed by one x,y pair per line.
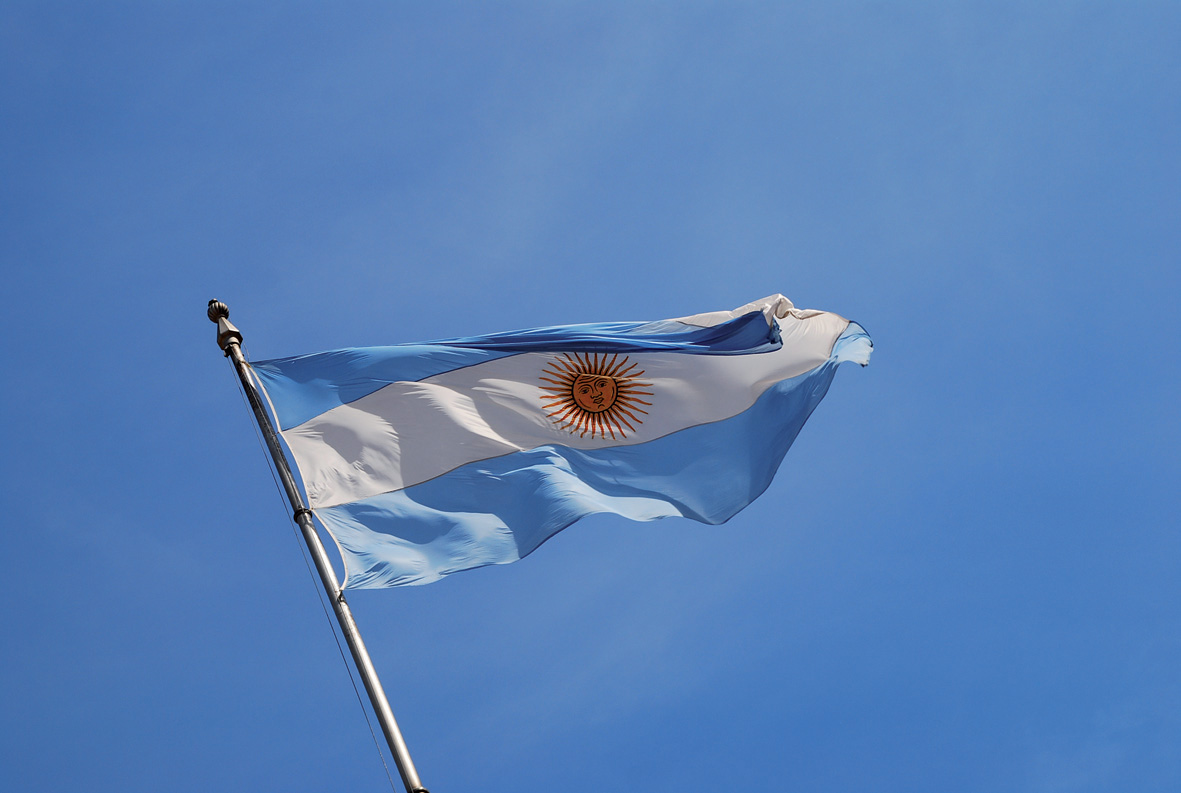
x,y
229,339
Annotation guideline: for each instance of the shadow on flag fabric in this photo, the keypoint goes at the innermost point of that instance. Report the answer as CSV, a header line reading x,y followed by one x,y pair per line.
x,y
425,459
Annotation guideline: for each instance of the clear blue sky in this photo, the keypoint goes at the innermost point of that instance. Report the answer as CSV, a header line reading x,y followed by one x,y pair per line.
x,y
966,575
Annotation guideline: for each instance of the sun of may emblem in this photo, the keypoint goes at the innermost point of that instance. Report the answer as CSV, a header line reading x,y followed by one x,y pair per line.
x,y
591,396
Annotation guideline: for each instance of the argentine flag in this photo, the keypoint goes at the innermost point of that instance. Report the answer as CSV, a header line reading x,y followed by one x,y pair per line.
x,y
425,459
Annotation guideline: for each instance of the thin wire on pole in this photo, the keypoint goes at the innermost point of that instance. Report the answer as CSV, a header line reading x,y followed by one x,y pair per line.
x,y
229,339
319,594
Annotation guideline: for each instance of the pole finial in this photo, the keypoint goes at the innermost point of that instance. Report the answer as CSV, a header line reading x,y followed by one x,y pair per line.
x,y
217,310
227,334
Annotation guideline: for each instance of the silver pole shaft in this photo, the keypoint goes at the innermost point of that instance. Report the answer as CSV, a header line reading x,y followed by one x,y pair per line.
x,y
229,339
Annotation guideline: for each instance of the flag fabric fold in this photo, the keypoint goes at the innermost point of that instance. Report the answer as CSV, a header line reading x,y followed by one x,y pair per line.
x,y
425,459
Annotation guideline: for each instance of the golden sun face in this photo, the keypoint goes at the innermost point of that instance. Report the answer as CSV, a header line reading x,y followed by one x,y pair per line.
x,y
592,395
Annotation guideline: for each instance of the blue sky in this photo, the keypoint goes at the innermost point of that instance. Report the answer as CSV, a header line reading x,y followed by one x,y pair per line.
x,y
965,576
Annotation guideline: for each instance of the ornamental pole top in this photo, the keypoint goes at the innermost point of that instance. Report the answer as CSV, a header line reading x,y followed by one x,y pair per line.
x,y
227,334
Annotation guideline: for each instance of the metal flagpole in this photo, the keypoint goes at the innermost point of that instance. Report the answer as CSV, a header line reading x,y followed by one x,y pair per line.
x,y
229,339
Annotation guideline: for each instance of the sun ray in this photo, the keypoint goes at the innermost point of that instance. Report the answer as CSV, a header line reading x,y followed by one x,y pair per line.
x,y
566,414
567,364
627,412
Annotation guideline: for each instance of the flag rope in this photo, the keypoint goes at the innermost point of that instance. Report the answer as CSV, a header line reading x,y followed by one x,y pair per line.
x,y
319,594
229,339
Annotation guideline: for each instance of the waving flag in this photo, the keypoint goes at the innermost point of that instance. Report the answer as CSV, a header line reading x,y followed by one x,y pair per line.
x,y
425,459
